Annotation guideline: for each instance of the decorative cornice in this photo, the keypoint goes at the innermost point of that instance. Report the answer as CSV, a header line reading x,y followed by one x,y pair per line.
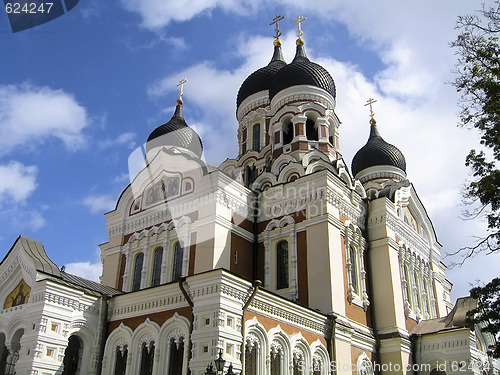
x,y
157,217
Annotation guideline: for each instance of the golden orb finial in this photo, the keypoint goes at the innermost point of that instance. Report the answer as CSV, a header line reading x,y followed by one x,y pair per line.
x,y
277,43
300,41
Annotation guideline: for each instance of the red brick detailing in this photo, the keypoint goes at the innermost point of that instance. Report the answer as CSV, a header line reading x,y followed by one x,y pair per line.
x,y
192,254
323,131
159,318
244,267
242,222
299,129
270,323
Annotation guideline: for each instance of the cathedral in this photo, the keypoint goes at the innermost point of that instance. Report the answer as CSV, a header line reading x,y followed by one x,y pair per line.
x,y
285,260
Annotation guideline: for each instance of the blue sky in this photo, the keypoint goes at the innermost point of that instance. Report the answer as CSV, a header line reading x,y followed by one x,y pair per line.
x,y
80,93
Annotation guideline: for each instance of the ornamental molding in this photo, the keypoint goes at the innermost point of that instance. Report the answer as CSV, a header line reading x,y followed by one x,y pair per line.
x,y
250,104
287,96
406,235
157,217
350,211
266,304
146,305
57,299
288,206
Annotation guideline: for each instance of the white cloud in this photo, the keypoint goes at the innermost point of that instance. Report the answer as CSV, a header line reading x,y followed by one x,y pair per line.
x,y
416,109
125,139
87,270
156,14
100,203
17,182
35,220
205,80
30,114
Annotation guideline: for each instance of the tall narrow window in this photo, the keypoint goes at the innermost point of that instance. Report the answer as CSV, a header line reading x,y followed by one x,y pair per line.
x,y
287,132
298,364
311,130
147,358
176,357
256,137
354,269
276,363
417,291
178,257
158,255
282,265
121,361
426,297
407,285
317,366
136,281
4,353
72,356
251,174
251,359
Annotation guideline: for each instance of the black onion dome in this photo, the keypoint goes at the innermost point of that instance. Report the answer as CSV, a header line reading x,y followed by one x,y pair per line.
x,y
302,71
260,80
175,133
377,152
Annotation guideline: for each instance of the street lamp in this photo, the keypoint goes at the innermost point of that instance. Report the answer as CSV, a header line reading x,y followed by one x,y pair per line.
x,y
219,362
219,367
210,370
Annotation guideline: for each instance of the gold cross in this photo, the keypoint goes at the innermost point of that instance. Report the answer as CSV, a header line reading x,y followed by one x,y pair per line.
x,y
297,22
276,21
181,85
370,102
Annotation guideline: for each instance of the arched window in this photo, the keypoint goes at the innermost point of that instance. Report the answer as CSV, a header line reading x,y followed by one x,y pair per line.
x,y
427,305
407,285
251,175
317,365
311,130
121,360
4,352
256,137
10,365
178,257
147,358
276,363
136,281
417,290
176,356
435,371
158,254
353,270
287,132
72,356
282,265
298,363
251,359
